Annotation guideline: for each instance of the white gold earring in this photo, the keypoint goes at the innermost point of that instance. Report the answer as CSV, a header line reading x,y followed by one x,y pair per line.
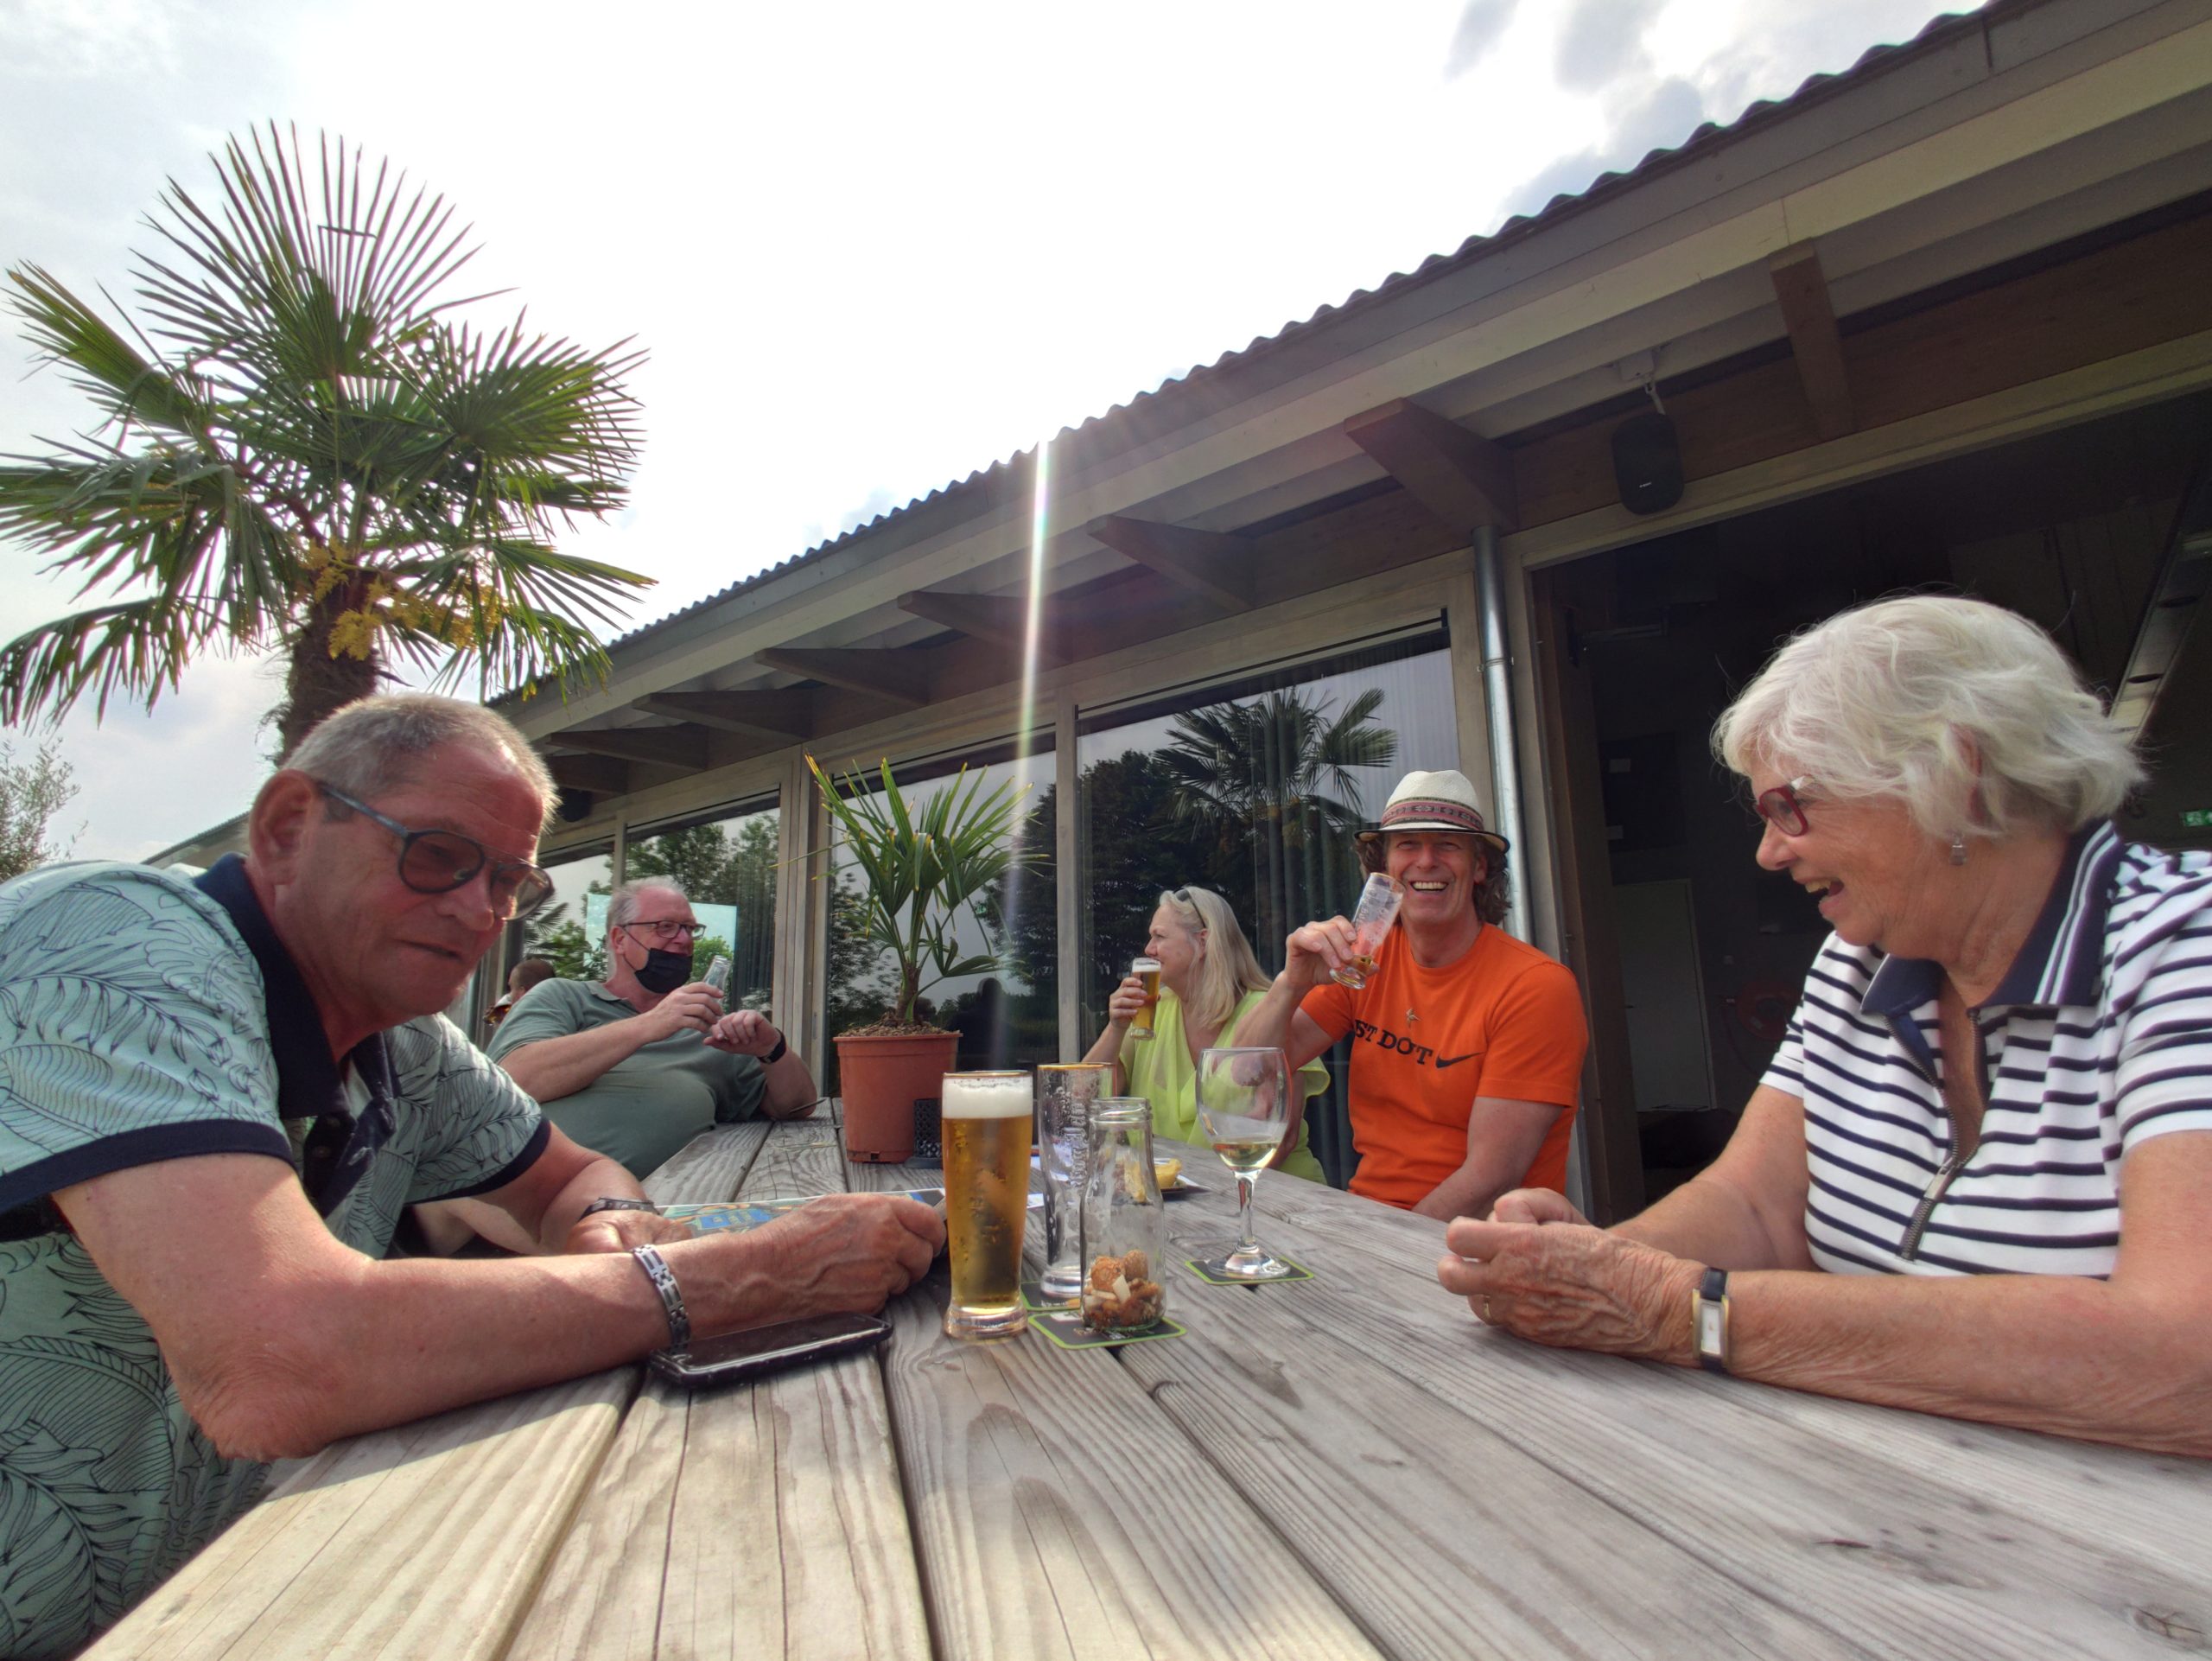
x,y
1958,847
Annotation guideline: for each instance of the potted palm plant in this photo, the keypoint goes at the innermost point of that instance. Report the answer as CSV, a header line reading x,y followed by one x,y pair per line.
x,y
925,868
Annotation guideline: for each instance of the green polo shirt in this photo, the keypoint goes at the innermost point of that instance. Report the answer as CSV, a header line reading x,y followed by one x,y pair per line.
x,y
645,1107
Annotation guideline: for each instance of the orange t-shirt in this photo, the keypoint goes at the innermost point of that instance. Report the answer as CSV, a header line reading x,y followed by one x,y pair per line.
x,y
1504,1020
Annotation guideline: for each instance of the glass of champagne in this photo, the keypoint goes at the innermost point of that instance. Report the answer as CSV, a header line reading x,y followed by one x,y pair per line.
x,y
1147,971
1244,1109
1370,920
986,1119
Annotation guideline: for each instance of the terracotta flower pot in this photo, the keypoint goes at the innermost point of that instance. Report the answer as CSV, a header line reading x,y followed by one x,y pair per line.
x,y
880,1079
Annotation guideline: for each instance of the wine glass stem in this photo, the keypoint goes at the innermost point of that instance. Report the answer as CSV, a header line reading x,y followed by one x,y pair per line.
x,y
1246,1182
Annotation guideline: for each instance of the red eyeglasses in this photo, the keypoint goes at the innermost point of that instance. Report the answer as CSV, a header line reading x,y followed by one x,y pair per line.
x,y
1781,808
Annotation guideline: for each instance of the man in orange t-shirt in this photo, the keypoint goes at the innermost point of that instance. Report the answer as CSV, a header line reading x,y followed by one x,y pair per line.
x,y
1467,1043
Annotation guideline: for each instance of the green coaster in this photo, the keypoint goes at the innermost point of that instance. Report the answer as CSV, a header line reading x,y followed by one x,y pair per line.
x,y
1070,1333
1034,1301
1292,1272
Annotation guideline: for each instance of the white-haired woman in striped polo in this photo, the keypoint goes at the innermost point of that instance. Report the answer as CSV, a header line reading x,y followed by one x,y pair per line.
x,y
1975,1179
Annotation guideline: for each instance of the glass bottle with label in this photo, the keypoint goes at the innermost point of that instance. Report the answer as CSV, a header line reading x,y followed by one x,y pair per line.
x,y
1124,1220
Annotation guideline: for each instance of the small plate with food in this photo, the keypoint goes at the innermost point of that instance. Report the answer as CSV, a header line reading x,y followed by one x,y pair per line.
x,y
1172,1183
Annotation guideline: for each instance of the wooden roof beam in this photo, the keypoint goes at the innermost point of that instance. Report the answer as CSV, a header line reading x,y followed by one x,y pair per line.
x,y
1002,621
782,715
1814,342
1463,479
1212,564
891,674
667,746
602,775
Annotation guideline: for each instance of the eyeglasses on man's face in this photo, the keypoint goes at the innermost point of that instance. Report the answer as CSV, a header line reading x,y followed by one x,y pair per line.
x,y
1782,807
439,862
667,933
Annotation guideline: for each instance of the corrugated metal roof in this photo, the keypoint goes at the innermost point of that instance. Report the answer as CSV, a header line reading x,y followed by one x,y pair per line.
x,y
1708,137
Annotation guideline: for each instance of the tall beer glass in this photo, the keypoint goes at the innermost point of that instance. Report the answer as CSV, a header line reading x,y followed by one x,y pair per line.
x,y
1370,920
985,1117
1147,971
1064,1096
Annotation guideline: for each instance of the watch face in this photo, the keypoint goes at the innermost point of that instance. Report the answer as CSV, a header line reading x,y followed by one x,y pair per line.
x,y
1708,1328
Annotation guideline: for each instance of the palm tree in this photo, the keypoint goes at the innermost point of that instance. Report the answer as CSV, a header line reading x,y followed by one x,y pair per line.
x,y
1274,776
300,446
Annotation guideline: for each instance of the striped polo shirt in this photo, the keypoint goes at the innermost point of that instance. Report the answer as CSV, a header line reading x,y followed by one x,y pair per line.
x,y
2099,1038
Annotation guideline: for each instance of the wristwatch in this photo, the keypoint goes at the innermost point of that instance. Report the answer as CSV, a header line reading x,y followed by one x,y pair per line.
x,y
1709,1320
613,1203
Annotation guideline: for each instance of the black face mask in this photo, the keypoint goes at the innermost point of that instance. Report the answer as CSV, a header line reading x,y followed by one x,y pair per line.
x,y
665,971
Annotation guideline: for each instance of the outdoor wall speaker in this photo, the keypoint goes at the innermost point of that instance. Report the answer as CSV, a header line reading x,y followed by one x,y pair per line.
x,y
574,804
1647,463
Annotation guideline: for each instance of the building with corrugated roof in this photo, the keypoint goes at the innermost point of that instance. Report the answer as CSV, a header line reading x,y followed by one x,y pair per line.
x,y
1940,321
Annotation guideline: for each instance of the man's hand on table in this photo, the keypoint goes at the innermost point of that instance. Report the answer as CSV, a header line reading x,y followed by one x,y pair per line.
x,y
1539,1269
618,1230
844,1253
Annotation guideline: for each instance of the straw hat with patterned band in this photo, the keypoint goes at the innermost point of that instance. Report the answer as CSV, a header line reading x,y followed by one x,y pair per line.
x,y
1443,801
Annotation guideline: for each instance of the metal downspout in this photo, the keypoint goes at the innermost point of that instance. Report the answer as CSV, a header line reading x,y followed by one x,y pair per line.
x,y
1497,705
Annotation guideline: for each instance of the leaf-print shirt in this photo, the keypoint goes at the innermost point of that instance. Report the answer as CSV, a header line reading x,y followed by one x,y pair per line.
x,y
144,1017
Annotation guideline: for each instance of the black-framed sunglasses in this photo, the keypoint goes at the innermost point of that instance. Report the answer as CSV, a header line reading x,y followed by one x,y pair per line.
x,y
667,932
439,862
1782,808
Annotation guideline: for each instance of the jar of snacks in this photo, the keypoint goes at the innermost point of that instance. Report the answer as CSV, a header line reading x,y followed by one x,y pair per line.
x,y
1124,1223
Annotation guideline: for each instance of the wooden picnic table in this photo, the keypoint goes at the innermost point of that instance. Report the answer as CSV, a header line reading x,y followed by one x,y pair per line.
x,y
1347,1466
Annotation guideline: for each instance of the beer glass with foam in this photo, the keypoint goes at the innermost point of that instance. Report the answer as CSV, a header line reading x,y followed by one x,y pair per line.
x,y
1147,971
986,1118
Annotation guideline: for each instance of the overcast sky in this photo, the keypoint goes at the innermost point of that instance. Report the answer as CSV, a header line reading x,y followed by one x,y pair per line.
x,y
870,248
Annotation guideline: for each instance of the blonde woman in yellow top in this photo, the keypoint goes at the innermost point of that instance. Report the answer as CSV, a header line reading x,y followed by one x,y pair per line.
x,y
1209,980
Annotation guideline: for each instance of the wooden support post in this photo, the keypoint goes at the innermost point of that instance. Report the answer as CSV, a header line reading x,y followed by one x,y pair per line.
x,y
782,715
602,775
997,619
898,676
667,746
1460,477
1211,564
1810,316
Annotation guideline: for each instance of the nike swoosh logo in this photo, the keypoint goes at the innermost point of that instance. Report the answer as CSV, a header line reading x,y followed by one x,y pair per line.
x,y
1444,1061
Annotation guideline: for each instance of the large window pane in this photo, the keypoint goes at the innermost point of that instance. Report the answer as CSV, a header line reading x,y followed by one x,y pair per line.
x,y
570,928
1007,1014
1253,789
727,866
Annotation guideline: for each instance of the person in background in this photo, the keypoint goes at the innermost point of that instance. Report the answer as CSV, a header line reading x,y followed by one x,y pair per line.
x,y
219,1096
638,1065
1209,980
524,975
1974,1179
1466,1043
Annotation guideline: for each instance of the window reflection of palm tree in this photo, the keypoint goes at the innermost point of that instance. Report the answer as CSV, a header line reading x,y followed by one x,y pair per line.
x,y
1277,776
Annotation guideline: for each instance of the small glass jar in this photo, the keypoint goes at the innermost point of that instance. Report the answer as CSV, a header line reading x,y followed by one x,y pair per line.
x,y
1124,1221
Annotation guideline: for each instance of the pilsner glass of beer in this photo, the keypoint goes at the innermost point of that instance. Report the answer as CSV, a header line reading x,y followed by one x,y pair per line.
x,y
986,1118
1147,971
1370,920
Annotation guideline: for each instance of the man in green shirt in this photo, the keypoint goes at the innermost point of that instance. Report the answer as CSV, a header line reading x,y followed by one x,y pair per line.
x,y
216,1099
636,1065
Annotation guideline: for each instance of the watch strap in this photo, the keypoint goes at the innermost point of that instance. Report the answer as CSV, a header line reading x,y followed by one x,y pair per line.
x,y
1711,1294
776,1054
616,1203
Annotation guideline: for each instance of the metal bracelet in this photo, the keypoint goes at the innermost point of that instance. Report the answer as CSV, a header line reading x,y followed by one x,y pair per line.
x,y
671,1296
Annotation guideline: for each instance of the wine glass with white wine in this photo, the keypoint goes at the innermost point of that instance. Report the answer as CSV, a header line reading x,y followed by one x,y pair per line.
x,y
1244,1110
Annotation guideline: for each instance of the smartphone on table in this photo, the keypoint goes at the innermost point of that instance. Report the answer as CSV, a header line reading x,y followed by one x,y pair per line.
x,y
736,1357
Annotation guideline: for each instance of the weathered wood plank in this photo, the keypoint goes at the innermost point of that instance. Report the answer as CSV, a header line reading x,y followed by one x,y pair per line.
x,y
1799,1499
799,1156
743,1521
427,1539
1058,1513
709,1170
